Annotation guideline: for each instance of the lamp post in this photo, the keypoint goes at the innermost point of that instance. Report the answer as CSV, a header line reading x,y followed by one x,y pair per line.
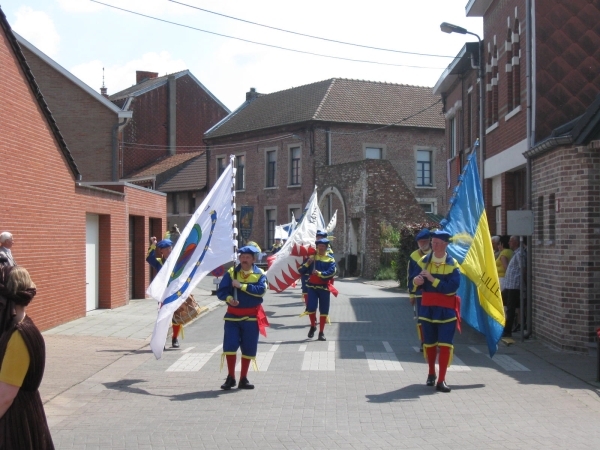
x,y
450,28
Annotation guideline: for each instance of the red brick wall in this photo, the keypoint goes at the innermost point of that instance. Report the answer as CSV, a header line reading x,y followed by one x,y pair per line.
x,y
508,133
149,126
46,212
196,112
85,123
566,300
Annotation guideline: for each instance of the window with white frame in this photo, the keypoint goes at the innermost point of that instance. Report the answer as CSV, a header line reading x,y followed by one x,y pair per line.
x,y
271,221
373,153
424,168
220,166
427,207
295,166
271,167
240,175
452,137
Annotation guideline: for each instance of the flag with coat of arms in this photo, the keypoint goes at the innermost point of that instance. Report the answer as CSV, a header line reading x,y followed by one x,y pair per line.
x,y
206,243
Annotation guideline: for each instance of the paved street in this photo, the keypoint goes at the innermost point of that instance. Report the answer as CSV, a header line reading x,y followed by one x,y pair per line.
x,y
362,388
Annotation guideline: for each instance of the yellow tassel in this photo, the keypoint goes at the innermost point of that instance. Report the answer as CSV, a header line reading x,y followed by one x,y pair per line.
x,y
254,365
222,361
328,320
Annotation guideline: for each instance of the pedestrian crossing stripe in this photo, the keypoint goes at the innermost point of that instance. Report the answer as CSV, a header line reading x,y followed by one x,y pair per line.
x,y
326,360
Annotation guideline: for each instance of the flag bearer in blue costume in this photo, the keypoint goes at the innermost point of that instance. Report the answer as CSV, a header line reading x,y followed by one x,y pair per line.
x,y
320,269
424,243
439,314
304,276
243,288
156,257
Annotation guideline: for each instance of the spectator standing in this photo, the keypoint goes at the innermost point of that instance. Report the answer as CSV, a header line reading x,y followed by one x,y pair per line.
x,y
503,259
6,243
23,422
512,287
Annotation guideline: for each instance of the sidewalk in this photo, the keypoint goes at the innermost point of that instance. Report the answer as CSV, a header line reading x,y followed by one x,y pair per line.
x,y
77,350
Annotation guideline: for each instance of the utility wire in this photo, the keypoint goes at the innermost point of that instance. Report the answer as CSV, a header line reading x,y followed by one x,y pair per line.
x,y
307,35
262,43
191,148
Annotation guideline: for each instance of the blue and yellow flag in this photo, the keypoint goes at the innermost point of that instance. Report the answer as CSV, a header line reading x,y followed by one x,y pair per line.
x,y
481,305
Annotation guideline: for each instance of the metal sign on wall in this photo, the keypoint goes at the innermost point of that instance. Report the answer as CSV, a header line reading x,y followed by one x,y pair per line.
x,y
519,223
246,216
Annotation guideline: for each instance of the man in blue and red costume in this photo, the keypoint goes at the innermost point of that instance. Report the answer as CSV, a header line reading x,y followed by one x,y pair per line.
x,y
439,314
242,288
423,241
320,269
156,257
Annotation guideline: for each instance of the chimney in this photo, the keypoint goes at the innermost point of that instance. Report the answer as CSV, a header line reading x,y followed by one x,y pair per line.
x,y
251,94
141,76
103,90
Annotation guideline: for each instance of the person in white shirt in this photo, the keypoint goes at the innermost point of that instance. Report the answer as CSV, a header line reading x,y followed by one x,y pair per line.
x,y
6,243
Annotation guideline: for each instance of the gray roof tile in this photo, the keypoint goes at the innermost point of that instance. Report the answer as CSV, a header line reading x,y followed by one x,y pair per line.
x,y
337,100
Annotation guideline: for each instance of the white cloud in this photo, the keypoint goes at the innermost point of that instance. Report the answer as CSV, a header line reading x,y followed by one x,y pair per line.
x,y
38,28
119,77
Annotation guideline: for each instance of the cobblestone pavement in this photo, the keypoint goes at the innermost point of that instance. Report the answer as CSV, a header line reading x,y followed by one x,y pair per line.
x,y
362,388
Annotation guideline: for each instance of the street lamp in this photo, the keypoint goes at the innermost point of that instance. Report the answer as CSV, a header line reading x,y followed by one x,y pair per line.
x,y
450,28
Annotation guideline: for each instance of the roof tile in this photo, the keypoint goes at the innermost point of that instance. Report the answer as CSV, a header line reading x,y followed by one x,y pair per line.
x,y
337,100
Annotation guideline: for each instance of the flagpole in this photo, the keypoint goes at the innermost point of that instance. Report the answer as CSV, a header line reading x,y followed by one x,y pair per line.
x,y
234,218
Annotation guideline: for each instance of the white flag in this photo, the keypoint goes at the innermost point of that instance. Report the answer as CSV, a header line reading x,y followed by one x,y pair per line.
x,y
332,223
206,243
284,270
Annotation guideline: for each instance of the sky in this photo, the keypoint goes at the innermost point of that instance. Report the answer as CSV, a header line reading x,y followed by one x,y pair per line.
x,y
84,37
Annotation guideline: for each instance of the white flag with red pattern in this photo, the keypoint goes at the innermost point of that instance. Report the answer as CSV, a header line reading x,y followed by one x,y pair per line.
x,y
283,271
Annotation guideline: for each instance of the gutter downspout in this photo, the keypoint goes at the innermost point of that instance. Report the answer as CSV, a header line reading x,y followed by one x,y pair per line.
x,y
115,146
530,127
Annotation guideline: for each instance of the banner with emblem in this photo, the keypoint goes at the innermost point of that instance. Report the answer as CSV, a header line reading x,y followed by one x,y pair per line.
x,y
206,243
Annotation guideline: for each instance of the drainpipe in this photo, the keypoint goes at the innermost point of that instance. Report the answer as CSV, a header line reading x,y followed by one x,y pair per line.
x,y
530,127
172,84
115,149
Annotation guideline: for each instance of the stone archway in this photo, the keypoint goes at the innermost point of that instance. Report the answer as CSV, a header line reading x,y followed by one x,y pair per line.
x,y
340,244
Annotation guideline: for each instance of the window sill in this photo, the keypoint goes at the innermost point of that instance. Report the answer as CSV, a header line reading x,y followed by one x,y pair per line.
x,y
294,186
512,113
425,187
491,128
270,188
240,190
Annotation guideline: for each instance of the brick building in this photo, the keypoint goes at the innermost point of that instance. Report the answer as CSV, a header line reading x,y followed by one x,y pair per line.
x,y
83,242
170,115
536,156
183,178
375,150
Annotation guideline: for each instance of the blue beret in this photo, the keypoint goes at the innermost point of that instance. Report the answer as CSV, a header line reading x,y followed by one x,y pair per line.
x,y
322,241
165,243
321,233
440,234
423,234
248,250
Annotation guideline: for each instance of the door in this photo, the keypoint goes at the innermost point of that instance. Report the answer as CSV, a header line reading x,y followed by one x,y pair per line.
x,y
92,244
